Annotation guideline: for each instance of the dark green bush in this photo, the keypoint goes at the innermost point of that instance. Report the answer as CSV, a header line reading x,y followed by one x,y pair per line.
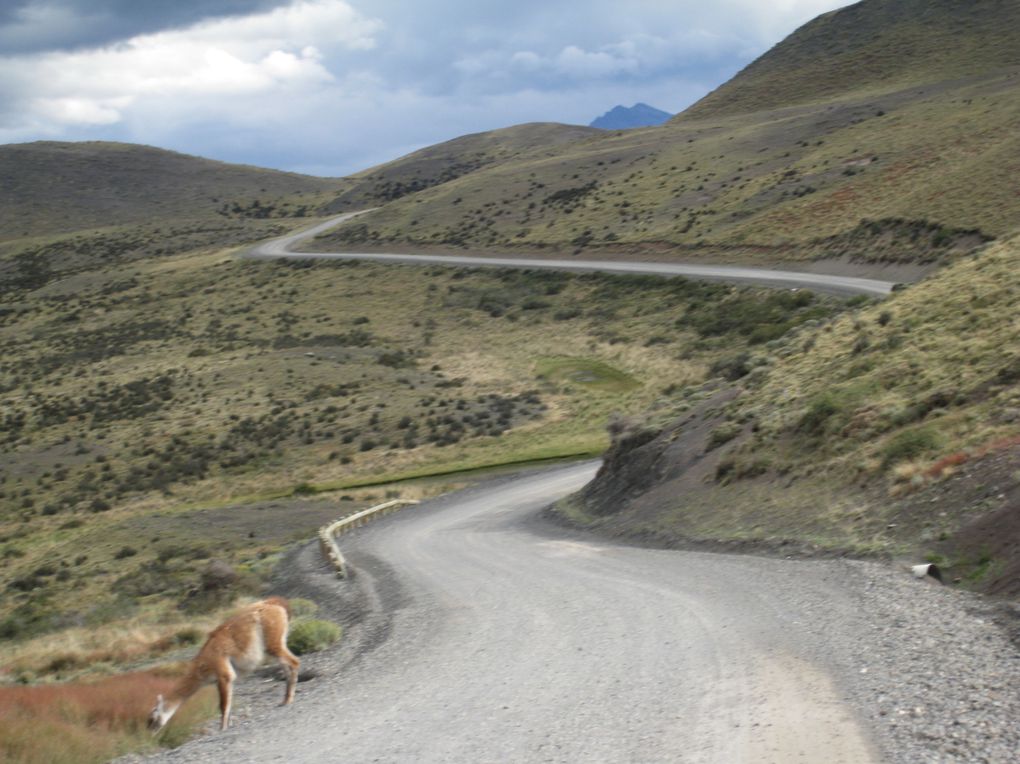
x,y
909,444
732,367
814,420
312,635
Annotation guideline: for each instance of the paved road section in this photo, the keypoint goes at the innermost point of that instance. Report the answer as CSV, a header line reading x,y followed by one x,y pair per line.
x,y
510,640
288,246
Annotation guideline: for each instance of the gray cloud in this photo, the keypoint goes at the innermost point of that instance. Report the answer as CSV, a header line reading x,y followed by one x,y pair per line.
x,y
38,25
333,86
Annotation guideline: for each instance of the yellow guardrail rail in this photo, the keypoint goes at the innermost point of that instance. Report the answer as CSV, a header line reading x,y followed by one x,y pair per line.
x,y
328,533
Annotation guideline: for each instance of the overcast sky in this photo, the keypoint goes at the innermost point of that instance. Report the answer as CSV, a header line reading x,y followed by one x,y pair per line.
x,y
333,86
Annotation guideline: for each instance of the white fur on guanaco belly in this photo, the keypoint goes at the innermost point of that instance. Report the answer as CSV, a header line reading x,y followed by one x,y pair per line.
x,y
253,655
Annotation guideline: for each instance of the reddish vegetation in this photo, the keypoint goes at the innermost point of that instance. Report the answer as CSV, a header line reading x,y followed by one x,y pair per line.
x,y
79,722
939,468
946,462
119,701
999,445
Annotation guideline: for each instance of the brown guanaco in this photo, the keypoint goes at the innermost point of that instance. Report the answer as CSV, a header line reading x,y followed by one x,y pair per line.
x,y
238,645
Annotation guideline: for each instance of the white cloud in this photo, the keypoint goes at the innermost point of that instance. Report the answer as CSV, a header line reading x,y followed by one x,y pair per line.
x,y
337,85
582,64
270,51
81,111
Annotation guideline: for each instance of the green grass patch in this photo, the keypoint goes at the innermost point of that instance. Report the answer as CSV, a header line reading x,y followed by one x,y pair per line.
x,y
587,373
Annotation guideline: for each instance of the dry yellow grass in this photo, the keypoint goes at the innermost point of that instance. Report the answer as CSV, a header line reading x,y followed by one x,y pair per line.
x,y
155,408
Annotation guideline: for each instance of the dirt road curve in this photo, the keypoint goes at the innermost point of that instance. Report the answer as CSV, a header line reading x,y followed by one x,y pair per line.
x,y
288,246
510,640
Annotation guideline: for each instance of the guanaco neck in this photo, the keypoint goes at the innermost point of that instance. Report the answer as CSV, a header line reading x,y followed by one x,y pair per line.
x,y
189,684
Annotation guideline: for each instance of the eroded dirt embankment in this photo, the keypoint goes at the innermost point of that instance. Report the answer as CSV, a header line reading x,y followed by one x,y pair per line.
x,y
679,487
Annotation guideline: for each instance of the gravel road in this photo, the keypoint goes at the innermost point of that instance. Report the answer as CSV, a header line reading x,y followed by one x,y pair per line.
x,y
480,633
284,247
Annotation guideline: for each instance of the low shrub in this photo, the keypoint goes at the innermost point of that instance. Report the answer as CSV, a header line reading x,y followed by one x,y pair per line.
x,y
723,434
947,464
302,608
732,367
909,444
818,414
312,635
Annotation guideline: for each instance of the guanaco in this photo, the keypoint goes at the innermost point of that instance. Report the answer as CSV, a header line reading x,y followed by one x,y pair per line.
x,y
239,644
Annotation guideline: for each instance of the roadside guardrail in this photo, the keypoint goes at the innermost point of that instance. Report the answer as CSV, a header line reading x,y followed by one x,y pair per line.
x,y
328,533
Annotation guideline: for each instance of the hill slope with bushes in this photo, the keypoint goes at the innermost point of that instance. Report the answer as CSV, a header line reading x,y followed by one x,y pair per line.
x,y
892,429
864,127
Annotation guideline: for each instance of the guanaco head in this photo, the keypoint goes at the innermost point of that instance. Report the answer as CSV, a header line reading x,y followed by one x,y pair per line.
x,y
159,715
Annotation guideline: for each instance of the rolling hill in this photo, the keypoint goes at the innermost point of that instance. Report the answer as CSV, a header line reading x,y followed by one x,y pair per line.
x,y
445,162
49,187
908,121
871,47
884,132
892,430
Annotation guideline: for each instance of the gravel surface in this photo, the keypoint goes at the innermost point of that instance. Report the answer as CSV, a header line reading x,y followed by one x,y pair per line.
x,y
591,651
820,282
928,668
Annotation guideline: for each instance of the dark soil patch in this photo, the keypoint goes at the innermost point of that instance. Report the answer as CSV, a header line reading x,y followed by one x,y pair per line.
x,y
979,511
987,551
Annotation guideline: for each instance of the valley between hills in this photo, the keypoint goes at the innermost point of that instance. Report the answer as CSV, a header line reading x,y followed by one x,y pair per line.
x,y
169,408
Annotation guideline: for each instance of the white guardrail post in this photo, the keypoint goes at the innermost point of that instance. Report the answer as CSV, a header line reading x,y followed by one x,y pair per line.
x,y
328,533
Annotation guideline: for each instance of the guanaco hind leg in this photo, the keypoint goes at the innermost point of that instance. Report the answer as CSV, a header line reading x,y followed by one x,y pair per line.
x,y
290,665
276,645
225,682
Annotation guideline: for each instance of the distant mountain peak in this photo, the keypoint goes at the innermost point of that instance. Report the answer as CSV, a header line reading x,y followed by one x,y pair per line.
x,y
638,115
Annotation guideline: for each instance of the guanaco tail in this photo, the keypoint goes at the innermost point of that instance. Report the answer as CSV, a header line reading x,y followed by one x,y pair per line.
x,y
238,645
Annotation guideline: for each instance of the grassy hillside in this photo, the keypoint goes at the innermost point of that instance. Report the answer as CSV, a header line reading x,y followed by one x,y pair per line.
x,y
162,412
48,188
874,46
783,163
448,161
893,430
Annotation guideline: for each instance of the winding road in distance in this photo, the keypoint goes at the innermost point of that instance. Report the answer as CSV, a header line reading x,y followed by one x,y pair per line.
x,y
509,639
847,285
